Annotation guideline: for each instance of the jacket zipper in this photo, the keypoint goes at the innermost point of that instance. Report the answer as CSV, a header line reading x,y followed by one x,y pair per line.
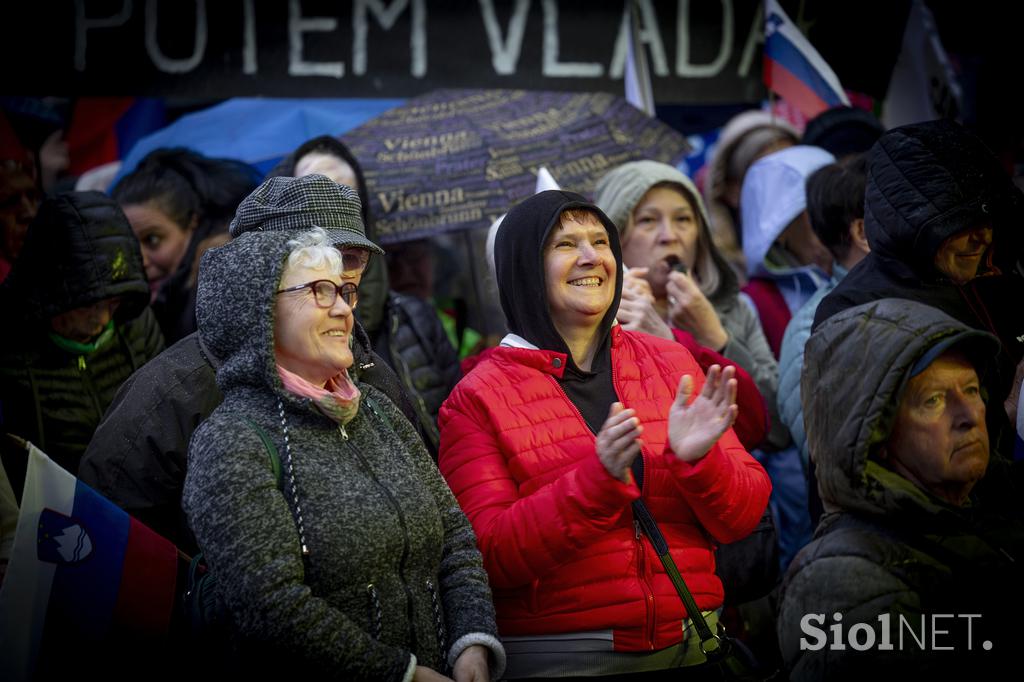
x,y
83,370
645,585
977,306
405,541
641,549
641,567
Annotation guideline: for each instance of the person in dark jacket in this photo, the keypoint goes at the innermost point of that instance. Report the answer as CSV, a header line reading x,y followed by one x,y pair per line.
x,y
179,203
361,566
78,323
138,456
942,219
403,329
912,569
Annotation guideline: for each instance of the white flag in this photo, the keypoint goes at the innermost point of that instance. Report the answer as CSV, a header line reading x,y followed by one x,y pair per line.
x,y
637,75
923,85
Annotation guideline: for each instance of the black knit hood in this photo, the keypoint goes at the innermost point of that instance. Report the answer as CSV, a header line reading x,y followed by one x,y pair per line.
x,y
80,249
856,367
519,266
929,181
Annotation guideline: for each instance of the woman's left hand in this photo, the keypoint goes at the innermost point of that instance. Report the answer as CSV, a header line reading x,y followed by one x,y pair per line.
x,y
472,665
694,428
690,310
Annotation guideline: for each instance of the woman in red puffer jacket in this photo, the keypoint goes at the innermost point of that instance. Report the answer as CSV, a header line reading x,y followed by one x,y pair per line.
x,y
540,444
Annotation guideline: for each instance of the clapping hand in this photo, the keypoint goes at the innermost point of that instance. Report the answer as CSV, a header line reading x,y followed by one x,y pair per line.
x,y
618,441
694,428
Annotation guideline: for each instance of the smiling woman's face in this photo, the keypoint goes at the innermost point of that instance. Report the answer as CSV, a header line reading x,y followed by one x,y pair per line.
x,y
960,256
579,272
311,341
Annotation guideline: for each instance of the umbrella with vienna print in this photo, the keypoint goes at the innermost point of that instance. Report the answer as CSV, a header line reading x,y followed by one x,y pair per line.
x,y
457,159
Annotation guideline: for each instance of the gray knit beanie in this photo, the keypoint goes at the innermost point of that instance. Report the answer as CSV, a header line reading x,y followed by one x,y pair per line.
x,y
622,188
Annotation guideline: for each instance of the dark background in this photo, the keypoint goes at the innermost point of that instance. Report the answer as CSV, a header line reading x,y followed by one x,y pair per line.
x,y
860,40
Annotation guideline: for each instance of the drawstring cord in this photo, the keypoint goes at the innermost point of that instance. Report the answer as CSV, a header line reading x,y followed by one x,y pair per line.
x,y
290,468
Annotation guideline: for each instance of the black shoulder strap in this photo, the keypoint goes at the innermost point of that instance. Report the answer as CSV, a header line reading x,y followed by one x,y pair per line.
x,y
710,643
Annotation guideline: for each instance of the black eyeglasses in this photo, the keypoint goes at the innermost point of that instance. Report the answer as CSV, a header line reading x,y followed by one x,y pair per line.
x,y
326,292
354,259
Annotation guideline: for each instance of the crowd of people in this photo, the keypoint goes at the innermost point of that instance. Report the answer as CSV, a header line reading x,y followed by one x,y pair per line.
x,y
786,395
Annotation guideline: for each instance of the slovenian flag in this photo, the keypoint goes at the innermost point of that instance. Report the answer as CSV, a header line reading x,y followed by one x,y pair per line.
x,y
82,570
793,69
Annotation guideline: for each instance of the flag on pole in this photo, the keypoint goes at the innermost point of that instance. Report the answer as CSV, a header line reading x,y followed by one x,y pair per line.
x,y
81,571
793,69
637,76
923,85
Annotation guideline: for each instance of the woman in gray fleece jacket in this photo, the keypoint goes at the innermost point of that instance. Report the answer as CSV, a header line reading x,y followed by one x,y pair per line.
x,y
357,563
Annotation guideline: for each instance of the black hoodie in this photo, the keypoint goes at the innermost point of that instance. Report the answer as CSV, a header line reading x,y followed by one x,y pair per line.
x,y
522,286
927,182
79,250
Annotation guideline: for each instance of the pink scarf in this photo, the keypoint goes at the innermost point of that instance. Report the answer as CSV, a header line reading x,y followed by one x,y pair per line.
x,y
337,400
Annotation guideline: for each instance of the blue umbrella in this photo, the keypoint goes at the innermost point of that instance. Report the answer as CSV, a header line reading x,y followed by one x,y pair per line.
x,y
258,131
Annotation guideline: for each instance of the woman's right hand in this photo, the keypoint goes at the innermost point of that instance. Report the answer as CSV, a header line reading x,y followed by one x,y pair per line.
x,y
618,441
425,674
636,311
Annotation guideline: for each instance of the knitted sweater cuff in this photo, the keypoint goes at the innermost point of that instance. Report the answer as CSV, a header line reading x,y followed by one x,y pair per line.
x,y
483,639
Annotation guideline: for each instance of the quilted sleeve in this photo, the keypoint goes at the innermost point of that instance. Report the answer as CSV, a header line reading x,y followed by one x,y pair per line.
x,y
727,488
752,421
523,537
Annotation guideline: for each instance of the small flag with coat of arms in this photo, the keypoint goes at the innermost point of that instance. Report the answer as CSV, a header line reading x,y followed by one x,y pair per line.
x,y
82,571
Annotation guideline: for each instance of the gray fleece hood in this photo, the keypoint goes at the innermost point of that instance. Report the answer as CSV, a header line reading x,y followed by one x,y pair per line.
x,y
856,367
234,307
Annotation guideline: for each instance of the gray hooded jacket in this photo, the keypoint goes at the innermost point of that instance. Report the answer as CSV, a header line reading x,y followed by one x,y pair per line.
x,y
889,550
392,568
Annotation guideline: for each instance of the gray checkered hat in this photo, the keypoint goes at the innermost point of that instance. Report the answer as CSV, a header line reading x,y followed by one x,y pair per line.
x,y
301,203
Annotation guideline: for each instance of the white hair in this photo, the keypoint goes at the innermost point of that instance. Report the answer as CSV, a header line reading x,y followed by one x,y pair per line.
x,y
314,250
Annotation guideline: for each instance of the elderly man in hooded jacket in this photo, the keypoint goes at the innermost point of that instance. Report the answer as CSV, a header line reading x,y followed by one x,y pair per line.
x,y
911,567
